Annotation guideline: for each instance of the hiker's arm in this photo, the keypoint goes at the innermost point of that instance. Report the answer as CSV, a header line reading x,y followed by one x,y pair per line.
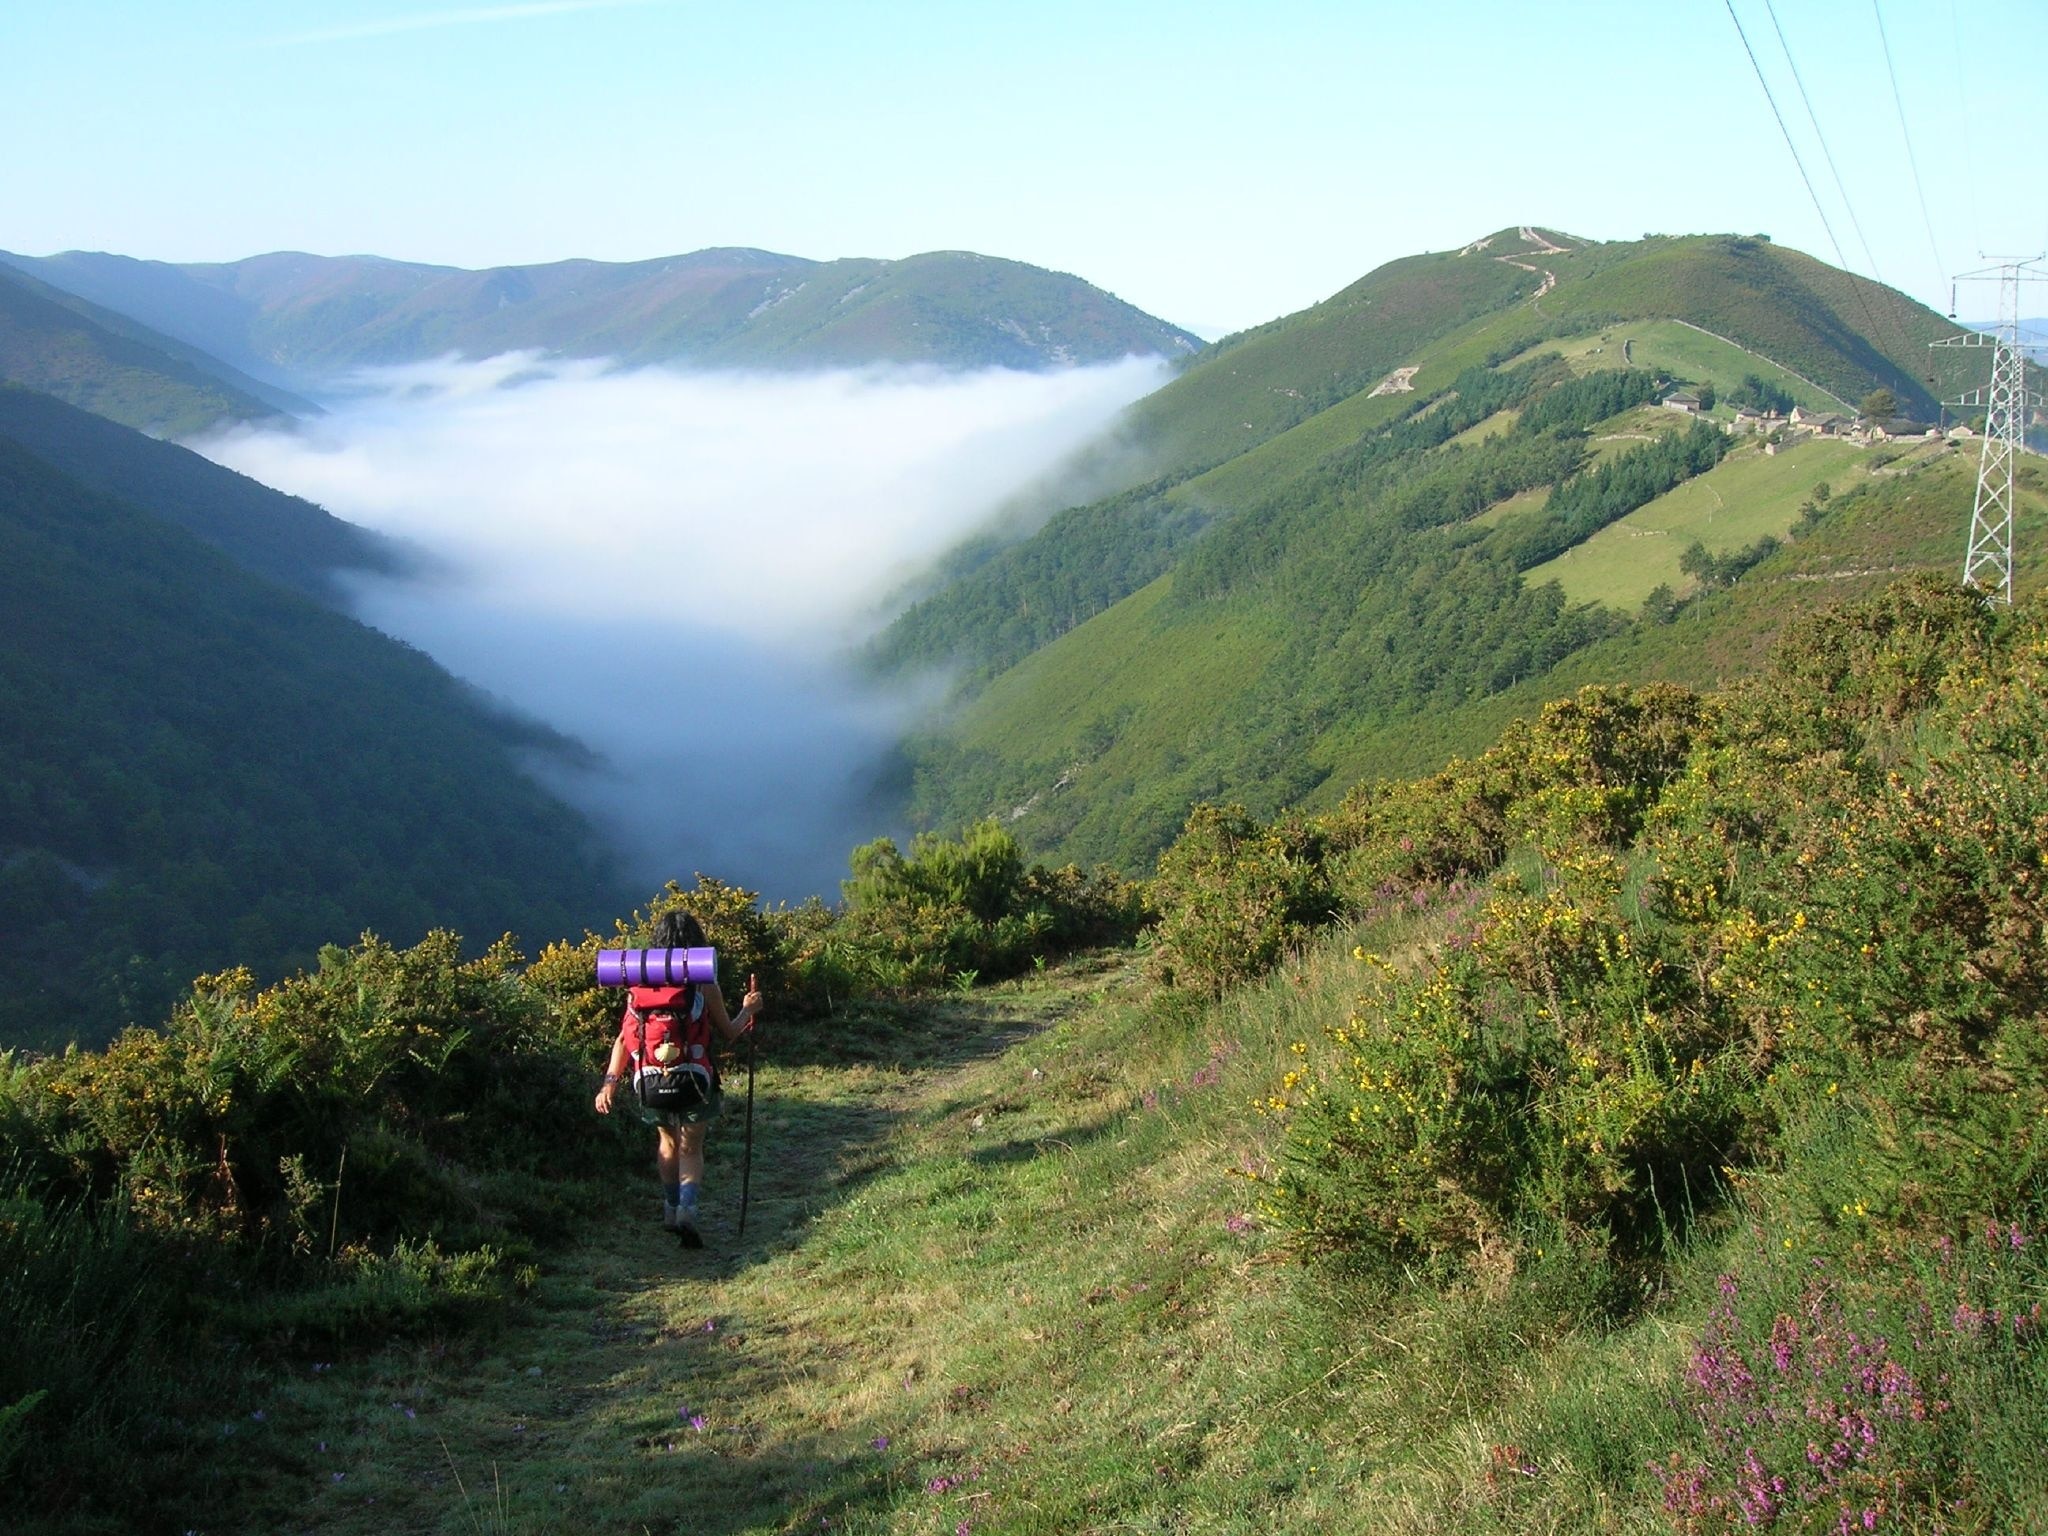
x,y
730,1028
614,1074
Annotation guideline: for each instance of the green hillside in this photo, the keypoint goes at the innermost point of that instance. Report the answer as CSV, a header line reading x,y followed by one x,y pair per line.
x,y
282,537
292,314
114,367
204,769
1640,1126
1378,514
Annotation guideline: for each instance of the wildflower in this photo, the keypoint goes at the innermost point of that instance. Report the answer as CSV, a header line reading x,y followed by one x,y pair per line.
x,y
259,1415
697,1422
880,1442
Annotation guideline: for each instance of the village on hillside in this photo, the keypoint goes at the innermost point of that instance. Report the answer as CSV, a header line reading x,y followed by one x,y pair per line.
x,y
1776,427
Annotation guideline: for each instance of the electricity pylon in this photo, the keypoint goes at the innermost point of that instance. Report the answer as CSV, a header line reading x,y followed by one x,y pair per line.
x,y
1988,562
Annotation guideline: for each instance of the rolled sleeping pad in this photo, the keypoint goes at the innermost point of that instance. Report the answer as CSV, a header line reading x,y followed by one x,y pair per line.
x,y
656,967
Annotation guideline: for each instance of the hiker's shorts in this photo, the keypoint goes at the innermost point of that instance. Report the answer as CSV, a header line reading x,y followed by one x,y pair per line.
x,y
676,1119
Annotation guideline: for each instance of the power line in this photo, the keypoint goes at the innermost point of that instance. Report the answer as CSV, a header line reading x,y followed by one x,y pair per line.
x,y
1854,222
1912,160
1787,133
1841,260
1964,102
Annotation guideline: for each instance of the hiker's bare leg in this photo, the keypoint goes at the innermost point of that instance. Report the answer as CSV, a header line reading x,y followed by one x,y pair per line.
x,y
690,1156
666,1155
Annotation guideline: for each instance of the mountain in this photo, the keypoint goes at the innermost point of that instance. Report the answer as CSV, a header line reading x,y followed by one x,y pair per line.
x,y
288,316
1433,490
107,363
264,531
205,769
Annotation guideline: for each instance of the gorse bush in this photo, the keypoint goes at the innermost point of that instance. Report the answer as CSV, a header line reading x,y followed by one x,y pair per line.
x,y
1234,896
1543,1083
388,1090
1792,934
949,908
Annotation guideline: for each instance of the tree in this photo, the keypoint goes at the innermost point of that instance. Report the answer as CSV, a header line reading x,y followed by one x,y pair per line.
x,y
1880,405
1707,397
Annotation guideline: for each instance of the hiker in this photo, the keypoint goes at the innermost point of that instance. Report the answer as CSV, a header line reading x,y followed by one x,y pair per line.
x,y
684,1011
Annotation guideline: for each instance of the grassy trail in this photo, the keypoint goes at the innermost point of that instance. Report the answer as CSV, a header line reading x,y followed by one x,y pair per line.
x,y
1004,1275
649,1387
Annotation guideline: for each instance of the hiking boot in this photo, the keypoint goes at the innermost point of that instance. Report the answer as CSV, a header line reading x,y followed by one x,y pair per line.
x,y
686,1228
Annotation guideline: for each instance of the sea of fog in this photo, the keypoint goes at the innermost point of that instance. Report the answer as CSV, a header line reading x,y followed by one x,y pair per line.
x,y
670,567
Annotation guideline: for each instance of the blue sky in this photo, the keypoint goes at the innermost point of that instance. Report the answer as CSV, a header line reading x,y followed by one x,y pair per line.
x,y
1216,164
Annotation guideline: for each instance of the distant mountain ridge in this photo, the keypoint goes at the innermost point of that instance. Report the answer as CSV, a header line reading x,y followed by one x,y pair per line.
x,y
288,317
66,346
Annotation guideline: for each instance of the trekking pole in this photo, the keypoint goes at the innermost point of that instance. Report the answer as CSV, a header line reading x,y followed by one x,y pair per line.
x,y
747,1159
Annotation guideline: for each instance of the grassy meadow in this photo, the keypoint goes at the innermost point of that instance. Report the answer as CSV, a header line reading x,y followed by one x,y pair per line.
x,y
1748,496
1685,352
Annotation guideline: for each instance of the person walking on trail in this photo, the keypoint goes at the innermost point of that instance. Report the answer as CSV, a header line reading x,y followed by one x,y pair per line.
x,y
682,1021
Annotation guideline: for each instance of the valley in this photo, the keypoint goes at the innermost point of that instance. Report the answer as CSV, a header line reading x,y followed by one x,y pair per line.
x,y
1470,931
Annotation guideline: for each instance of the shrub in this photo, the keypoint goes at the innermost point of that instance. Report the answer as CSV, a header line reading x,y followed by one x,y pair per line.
x,y
950,908
1547,1075
220,1124
1893,1391
1234,895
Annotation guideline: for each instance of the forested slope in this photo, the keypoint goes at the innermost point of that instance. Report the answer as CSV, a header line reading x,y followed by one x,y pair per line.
x,y
204,769
267,532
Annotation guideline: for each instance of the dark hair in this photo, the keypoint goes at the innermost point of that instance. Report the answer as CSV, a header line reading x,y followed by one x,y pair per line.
x,y
676,929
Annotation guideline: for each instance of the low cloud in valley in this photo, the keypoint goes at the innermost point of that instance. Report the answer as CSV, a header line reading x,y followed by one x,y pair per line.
x,y
670,565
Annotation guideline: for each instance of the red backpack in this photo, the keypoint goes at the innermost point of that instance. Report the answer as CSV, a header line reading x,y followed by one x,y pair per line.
x,y
670,1040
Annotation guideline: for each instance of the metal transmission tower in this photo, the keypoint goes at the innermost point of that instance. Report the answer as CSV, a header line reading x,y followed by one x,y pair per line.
x,y
1988,562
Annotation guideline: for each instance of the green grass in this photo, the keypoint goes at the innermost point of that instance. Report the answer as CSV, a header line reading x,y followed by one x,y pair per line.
x,y
1494,425
1748,495
1669,346
1017,1282
1632,429
1006,1274
1192,669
